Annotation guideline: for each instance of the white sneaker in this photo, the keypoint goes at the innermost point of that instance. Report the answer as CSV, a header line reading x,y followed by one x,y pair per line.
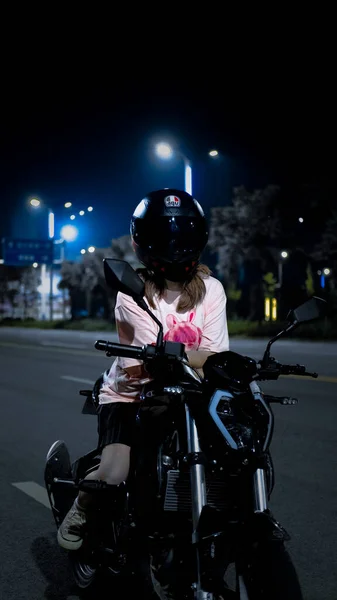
x,y
70,532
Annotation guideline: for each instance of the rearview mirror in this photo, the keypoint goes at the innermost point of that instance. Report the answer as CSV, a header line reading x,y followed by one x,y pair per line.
x,y
312,309
121,277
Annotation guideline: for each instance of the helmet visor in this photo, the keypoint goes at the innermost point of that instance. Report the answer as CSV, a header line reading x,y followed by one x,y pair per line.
x,y
173,238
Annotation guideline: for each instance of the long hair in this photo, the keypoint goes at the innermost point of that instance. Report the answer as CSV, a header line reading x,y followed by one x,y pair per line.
x,y
193,289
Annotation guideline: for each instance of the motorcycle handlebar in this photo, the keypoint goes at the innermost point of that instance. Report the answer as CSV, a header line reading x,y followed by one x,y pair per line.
x,y
169,350
296,370
112,349
275,369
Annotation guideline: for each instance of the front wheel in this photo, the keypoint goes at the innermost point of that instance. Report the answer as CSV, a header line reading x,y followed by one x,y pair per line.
x,y
84,572
269,573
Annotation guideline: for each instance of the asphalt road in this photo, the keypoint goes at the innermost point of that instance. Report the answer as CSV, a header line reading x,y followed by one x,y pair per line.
x,y
41,373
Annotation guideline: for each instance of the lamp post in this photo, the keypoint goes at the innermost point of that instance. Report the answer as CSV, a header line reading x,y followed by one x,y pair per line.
x,y
68,234
323,274
166,152
35,203
283,255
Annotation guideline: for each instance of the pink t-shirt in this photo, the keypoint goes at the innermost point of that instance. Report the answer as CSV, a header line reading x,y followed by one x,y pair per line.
x,y
203,328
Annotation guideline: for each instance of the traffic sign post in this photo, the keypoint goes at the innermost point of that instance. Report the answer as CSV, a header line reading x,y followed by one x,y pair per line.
x,y
23,253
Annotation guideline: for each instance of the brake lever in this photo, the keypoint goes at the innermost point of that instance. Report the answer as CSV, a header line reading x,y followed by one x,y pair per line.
x,y
307,374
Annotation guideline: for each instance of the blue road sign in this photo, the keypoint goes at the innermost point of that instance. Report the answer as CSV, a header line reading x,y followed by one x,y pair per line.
x,y
24,253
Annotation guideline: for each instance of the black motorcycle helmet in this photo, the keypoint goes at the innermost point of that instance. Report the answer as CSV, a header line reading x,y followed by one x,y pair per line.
x,y
169,232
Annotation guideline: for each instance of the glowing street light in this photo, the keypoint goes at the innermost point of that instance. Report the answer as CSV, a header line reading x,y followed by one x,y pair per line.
x,y
90,209
164,150
81,213
91,249
326,271
68,205
83,251
35,265
72,217
301,219
284,254
213,153
69,233
35,202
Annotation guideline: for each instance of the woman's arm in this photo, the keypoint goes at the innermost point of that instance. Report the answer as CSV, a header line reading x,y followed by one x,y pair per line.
x,y
215,333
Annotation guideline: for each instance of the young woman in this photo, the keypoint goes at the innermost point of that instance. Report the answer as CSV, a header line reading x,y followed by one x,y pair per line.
x,y
169,233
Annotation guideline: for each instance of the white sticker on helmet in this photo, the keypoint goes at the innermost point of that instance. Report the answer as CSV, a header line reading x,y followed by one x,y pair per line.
x,y
172,201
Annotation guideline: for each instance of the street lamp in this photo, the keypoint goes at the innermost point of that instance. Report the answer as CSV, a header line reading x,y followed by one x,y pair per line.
x,y
283,255
51,232
323,274
165,152
68,233
91,249
35,202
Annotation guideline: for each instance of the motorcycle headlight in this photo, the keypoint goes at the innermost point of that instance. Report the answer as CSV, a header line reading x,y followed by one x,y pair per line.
x,y
223,411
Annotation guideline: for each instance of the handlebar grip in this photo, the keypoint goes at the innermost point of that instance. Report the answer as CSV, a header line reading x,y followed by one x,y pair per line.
x,y
113,349
297,370
292,369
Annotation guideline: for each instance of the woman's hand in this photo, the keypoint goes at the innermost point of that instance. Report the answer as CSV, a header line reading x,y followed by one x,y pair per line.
x,y
197,358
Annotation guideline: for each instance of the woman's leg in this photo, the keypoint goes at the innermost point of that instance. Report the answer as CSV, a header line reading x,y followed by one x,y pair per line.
x,y
113,468
116,426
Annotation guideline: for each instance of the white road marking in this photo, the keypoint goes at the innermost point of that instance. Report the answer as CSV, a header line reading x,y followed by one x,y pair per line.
x,y
34,490
73,351
77,379
64,345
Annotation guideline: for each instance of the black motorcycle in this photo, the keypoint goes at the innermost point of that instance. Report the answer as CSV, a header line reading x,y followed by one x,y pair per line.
x,y
196,499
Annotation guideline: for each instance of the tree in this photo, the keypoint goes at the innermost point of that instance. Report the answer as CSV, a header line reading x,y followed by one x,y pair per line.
x,y
325,253
30,280
326,250
72,276
19,288
94,281
244,235
245,230
86,282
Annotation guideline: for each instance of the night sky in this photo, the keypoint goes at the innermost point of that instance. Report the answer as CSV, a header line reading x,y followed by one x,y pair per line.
x,y
89,140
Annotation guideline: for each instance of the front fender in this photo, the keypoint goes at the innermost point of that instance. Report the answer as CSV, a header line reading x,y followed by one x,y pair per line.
x,y
263,527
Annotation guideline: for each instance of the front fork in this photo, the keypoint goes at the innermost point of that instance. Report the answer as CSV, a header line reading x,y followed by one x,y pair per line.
x,y
260,498
198,493
199,496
